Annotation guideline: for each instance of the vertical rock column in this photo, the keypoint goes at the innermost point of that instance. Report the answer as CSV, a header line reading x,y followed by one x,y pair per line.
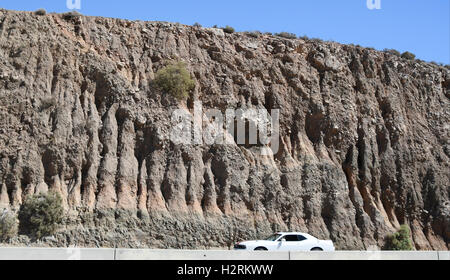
x,y
92,162
107,198
156,162
4,199
128,168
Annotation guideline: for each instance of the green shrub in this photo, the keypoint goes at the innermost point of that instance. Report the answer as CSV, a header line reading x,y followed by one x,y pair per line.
x,y
318,40
286,35
175,80
408,55
198,25
393,52
40,12
399,241
228,29
304,37
71,15
41,215
8,226
253,34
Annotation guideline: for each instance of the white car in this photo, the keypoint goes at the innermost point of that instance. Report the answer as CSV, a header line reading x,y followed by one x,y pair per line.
x,y
287,241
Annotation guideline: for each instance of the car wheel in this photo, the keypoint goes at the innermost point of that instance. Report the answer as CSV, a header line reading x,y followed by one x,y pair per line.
x,y
316,249
261,249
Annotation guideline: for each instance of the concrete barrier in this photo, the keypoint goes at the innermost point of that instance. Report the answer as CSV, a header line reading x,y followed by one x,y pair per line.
x,y
365,255
148,254
444,255
56,254
129,254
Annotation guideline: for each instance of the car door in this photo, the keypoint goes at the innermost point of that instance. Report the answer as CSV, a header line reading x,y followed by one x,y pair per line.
x,y
288,242
303,243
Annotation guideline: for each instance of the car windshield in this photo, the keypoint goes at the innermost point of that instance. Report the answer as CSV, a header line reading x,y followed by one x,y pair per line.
x,y
273,237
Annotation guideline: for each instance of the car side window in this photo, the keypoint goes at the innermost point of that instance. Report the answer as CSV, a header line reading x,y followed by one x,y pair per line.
x,y
301,237
290,238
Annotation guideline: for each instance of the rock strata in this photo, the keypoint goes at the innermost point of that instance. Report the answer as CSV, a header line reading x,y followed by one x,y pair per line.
x,y
364,136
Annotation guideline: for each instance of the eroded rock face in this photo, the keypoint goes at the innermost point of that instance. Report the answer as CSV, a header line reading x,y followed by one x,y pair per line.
x,y
364,136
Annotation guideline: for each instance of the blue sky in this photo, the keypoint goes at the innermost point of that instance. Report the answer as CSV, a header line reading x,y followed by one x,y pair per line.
x,y
418,26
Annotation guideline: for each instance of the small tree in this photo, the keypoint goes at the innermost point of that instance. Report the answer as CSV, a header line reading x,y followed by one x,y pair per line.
x,y
40,12
41,215
304,37
408,55
228,29
399,241
392,51
8,225
175,80
286,35
253,34
71,15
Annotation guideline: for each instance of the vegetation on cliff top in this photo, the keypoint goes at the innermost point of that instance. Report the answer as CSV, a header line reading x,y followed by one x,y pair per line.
x,y
409,55
228,29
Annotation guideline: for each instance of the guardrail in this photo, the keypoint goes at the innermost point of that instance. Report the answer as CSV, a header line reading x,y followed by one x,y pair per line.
x,y
148,254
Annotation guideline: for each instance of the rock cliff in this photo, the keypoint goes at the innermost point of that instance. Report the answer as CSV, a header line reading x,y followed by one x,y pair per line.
x,y
364,136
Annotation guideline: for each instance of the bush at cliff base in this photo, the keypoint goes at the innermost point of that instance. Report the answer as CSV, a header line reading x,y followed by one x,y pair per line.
x,y
41,215
399,241
8,225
